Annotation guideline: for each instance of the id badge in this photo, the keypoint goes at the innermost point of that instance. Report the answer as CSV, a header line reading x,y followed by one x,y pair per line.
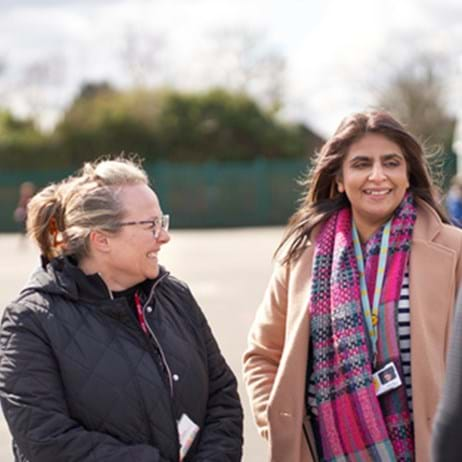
x,y
386,379
187,431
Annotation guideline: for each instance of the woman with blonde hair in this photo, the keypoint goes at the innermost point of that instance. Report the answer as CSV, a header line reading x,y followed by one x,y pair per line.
x,y
347,352
104,355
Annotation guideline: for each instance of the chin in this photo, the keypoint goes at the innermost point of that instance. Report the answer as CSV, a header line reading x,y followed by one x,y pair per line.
x,y
380,217
153,273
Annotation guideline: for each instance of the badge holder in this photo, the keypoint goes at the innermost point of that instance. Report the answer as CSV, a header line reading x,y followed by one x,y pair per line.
x,y
386,379
187,431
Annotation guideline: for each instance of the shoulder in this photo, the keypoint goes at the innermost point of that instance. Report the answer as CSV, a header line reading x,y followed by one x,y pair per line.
x,y
451,236
29,302
177,286
429,227
27,313
38,302
287,274
180,297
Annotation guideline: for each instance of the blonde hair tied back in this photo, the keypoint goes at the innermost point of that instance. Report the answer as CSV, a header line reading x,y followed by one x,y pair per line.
x,y
61,216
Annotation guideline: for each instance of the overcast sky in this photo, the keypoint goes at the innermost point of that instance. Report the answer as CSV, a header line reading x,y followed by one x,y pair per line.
x,y
335,51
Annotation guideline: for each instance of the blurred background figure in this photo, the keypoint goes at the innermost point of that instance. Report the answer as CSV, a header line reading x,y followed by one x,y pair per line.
x,y
447,443
454,201
26,191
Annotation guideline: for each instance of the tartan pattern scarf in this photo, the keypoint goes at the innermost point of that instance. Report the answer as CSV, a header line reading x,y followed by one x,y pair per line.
x,y
355,424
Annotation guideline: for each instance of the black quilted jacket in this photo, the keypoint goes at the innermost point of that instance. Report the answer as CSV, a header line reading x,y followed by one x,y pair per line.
x,y
80,381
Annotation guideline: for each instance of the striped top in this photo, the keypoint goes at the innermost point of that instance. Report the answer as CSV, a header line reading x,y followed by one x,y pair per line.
x,y
404,336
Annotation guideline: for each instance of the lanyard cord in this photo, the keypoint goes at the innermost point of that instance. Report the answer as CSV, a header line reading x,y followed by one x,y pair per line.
x,y
139,312
372,316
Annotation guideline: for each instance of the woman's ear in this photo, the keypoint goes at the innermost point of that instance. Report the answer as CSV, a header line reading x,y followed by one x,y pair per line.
x,y
99,241
340,186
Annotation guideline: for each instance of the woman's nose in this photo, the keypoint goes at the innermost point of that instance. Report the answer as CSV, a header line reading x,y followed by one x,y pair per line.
x,y
163,237
376,173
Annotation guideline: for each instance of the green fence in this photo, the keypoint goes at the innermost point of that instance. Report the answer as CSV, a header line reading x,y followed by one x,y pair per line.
x,y
213,194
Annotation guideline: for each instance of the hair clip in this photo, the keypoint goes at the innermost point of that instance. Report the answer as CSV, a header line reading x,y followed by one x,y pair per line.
x,y
57,236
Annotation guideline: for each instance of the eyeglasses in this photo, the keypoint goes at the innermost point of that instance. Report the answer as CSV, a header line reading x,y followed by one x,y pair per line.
x,y
156,225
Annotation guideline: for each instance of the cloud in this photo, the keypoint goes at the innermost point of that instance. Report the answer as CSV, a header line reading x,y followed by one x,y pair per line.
x,y
332,47
14,4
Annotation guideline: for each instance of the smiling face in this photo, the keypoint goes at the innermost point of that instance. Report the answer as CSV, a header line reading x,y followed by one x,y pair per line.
x,y
133,251
374,177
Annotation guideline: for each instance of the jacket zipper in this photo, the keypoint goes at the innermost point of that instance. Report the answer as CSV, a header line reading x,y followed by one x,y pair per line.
x,y
154,337
161,351
111,296
152,348
162,355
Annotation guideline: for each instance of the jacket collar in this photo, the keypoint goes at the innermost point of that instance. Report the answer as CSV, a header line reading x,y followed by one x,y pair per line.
x,y
62,276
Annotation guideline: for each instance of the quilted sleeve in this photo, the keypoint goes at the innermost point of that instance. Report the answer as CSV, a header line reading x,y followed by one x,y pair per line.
x,y
221,438
34,402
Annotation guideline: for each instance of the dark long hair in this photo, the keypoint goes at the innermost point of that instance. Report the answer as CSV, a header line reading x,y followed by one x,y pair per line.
x,y
322,198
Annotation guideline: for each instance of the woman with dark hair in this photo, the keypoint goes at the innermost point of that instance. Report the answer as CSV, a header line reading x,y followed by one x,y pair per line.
x,y
365,283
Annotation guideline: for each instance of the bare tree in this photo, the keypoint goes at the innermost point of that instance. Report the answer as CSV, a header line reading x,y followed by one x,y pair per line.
x,y
142,56
3,90
417,91
246,62
40,82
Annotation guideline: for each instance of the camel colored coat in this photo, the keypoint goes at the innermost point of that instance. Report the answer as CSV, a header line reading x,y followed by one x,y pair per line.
x,y
275,363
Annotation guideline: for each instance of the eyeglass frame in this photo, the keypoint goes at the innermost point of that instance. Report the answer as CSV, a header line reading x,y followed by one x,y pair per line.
x,y
163,221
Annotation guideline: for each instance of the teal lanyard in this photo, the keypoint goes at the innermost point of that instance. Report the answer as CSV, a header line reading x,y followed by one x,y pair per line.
x,y
372,316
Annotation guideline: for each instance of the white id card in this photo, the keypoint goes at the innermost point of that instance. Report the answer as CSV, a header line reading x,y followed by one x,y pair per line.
x,y
187,431
386,379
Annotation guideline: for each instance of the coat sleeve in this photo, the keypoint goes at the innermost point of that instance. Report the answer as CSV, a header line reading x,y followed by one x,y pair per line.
x,y
221,438
447,444
34,401
265,345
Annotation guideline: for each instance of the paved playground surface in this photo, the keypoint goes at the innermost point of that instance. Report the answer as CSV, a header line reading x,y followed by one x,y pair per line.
x,y
227,271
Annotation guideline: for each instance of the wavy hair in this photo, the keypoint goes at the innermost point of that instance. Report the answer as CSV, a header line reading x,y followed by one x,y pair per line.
x,y
321,198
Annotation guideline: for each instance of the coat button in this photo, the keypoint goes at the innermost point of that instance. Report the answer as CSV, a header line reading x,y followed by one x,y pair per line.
x,y
149,309
285,414
175,377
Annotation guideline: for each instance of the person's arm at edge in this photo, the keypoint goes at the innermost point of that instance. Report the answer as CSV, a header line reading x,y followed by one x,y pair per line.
x,y
265,345
446,446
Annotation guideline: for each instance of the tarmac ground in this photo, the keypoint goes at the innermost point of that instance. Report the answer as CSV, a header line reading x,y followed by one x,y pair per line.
x,y
227,271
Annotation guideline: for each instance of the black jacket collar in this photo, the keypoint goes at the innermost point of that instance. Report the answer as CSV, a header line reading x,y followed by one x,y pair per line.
x,y
63,276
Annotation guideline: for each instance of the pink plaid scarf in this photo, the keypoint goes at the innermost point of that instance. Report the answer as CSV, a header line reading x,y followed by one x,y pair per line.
x,y
355,424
